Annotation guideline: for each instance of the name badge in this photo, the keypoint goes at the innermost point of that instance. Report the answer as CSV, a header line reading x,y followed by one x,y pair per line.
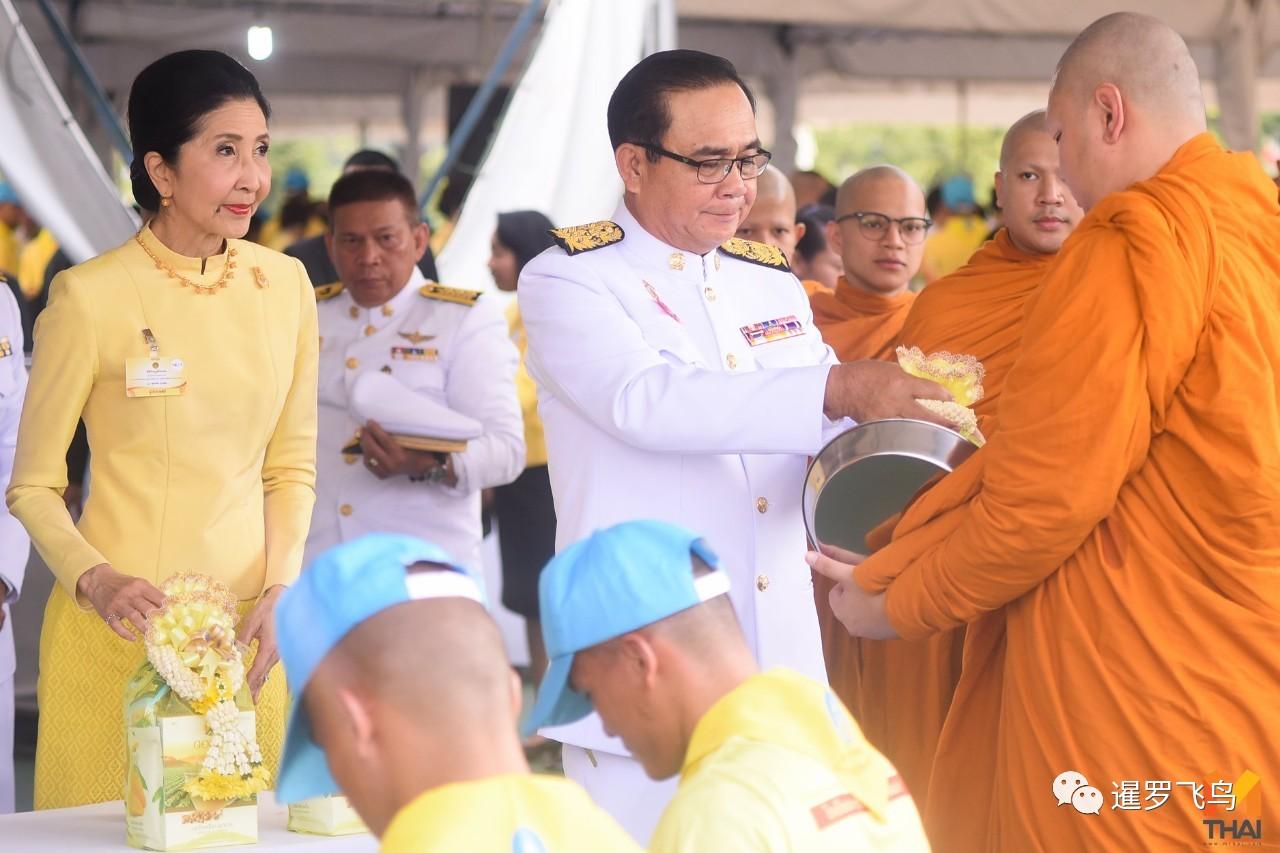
x,y
772,330
154,376
414,353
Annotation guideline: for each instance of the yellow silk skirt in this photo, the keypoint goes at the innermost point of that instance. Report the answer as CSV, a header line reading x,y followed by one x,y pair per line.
x,y
84,666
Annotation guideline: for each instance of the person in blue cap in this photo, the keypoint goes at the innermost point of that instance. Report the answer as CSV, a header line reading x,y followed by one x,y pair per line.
x,y
405,700
639,627
959,229
10,220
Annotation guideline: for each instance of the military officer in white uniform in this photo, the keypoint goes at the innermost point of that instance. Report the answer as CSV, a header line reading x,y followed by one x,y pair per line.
x,y
681,377
15,547
447,344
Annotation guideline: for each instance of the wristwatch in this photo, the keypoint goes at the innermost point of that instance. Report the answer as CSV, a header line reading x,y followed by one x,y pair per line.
x,y
435,474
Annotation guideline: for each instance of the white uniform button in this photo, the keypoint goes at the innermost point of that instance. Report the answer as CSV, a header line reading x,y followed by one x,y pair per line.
x,y
676,261
710,293
732,361
369,330
350,458
387,310
717,261
353,363
346,509
762,582
762,505
353,311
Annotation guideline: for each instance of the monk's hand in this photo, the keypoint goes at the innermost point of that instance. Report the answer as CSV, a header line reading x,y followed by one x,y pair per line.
x,y
120,599
260,624
875,390
861,613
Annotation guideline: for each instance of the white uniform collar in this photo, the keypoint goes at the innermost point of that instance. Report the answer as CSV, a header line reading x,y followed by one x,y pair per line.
x,y
646,250
400,302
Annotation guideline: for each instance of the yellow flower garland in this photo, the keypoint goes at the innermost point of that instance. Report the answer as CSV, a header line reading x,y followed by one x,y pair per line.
x,y
961,375
191,643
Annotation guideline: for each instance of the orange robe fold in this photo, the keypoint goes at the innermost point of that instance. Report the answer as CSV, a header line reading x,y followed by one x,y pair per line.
x,y
1126,518
904,688
857,324
978,311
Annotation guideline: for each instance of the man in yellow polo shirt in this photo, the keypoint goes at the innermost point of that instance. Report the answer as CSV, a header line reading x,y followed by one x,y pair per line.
x,y
408,698
639,626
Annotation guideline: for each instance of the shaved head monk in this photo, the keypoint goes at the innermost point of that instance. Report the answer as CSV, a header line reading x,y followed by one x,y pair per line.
x,y
772,218
879,232
900,690
1126,513
404,698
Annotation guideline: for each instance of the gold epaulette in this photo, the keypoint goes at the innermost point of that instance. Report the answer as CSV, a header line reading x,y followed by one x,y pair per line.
x,y
328,291
450,294
756,253
585,238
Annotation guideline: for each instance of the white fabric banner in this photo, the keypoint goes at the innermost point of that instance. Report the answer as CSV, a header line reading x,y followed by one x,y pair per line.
x,y
47,159
551,150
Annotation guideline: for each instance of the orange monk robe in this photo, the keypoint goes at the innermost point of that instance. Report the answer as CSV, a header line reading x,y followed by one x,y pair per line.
x,y
1126,516
978,311
904,687
857,324
811,287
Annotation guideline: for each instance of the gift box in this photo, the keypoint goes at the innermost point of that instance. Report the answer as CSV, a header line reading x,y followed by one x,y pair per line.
x,y
167,744
325,816
194,769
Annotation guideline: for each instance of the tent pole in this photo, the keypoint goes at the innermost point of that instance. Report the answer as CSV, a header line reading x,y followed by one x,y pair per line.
x,y
475,109
101,104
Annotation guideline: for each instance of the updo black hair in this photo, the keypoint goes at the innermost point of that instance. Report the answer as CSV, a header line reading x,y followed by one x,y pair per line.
x,y
170,97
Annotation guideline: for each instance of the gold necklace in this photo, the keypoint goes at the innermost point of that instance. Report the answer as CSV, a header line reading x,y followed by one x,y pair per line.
x,y
227,271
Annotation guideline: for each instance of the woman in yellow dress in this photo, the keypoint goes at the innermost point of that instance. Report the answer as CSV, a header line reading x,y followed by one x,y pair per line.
x,y
191,356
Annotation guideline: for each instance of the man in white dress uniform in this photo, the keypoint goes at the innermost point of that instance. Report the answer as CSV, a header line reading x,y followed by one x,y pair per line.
x,y
441,344
15,547
681,377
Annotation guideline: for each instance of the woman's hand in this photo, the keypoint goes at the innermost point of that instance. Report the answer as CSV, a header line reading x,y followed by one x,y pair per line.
x,y
260,624
120,598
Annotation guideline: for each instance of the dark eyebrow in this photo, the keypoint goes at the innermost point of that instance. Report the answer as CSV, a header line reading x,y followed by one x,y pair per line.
x,y
712,151
235,137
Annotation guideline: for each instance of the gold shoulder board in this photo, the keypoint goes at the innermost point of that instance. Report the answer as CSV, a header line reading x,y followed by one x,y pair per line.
x,y
450,294
585,238
756,253
328,291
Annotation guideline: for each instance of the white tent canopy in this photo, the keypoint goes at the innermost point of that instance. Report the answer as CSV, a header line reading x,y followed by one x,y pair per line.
x,y
344,63
46,157
404,48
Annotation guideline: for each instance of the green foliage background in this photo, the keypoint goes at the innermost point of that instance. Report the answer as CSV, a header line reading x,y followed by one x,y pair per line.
x,y
928,153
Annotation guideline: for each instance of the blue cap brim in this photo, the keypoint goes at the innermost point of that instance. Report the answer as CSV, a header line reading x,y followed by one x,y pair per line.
x,y
557,704
304,771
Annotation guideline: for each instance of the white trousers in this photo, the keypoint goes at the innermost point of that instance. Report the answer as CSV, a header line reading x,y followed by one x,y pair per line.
x,y
618,785
6,746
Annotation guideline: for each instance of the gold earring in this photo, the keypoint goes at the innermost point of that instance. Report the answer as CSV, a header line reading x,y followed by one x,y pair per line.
x,y
165,201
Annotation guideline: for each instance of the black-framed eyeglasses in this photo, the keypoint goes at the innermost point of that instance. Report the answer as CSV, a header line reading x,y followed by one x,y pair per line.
x,y
874,226
716,169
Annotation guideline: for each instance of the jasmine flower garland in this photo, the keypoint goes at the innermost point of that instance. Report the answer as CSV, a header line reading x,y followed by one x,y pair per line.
x,y
191,643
